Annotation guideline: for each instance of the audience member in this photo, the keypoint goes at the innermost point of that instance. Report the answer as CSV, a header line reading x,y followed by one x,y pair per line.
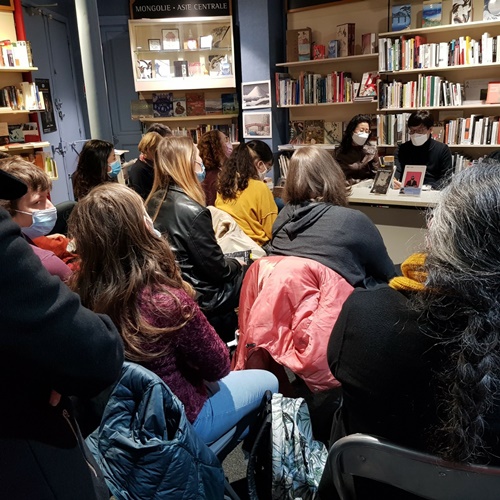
x,y
130,273
177,206
422,149
36,215
242,192
160,128
420,366
52,348
97,164
214,148
141,173
355,155
317,224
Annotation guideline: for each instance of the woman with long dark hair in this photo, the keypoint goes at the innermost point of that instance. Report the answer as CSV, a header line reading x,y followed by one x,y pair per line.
x,y
97,164
358,159
129,273
242,192
421,365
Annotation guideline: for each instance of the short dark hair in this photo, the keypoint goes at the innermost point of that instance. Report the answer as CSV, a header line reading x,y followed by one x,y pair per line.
x,y
161,129
421,117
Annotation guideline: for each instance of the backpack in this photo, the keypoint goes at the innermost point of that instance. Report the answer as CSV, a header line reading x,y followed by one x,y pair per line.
x,y
285,461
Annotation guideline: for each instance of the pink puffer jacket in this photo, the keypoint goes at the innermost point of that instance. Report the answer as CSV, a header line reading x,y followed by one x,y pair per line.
x,y
288,306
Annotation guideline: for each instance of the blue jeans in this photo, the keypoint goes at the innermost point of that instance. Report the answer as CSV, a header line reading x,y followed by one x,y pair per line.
x,y
231,407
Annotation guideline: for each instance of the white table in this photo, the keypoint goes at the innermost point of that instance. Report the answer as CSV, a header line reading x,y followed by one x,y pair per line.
x,y
400,219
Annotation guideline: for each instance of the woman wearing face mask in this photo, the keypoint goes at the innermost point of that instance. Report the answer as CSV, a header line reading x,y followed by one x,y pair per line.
x,y
141,173
214,148
34,211
422,149
177,206
243,194
358,159
97,164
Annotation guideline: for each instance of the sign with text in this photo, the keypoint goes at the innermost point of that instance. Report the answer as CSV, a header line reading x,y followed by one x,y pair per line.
x,y
158,9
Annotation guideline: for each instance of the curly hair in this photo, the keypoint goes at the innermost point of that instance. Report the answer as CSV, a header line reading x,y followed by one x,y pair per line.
x,y
461,307
346,143
120,258
92,168
240,167
211,150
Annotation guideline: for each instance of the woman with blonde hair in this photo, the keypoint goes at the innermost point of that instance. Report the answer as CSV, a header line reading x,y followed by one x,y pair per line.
x,y
177,206
141,173
317,224
243,194
129,272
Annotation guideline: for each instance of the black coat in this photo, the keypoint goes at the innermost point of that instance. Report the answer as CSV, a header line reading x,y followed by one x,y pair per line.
x,y
188,226
48,341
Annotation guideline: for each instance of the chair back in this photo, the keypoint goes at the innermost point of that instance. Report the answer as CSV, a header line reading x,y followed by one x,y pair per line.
x,y
413,471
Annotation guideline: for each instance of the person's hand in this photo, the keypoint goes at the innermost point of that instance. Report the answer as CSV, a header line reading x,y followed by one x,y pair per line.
x,y
396,184
54,398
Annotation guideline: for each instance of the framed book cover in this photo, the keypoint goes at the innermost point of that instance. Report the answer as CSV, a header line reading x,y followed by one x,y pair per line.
x,y
195,103
179,105
491,11
333,132
229,104
162,68
296,129
412,180
213,106
163,104
256,94
382,181
170,39
431,14
401,17
461,11
493,94
257,125
314,131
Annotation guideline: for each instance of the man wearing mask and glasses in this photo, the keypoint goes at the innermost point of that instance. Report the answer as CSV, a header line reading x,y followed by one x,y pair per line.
x,y
422,149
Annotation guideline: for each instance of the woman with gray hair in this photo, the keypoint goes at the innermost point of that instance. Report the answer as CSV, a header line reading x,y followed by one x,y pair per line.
x,y
422,368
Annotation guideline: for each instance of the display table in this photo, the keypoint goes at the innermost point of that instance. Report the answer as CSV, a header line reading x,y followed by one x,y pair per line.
x,y
400,219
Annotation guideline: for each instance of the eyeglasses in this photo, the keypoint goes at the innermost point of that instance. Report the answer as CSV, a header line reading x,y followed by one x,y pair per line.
x,y
421,129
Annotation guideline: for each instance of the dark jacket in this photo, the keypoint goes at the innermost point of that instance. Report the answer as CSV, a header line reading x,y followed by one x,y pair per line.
x,y
141,177
147,448
340,238
435,155
188,226
49,341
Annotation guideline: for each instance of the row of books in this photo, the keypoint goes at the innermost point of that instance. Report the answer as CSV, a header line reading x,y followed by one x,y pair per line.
x,y
426,91
476,130
313,88
14,54
413,52
316,132
25,97
230,130
165,104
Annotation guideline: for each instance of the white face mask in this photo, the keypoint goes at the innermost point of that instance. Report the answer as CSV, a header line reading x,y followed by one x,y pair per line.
x,y
419,139
360,138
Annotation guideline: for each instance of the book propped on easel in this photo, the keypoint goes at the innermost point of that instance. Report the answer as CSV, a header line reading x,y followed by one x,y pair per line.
x,y
493,94
412,180
368,87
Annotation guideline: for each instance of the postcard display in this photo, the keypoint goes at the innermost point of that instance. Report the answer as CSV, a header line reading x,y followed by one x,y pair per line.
x,y
183,63
443,56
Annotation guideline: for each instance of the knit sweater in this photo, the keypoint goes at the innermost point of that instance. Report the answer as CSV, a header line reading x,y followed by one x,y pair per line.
x,y
188,355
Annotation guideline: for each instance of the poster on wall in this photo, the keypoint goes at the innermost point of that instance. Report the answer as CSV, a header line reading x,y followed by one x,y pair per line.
x,y
48,118
158,9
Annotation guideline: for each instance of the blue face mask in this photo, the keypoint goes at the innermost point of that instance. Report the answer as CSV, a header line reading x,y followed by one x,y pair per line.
x,y
43,222
201,175
116,168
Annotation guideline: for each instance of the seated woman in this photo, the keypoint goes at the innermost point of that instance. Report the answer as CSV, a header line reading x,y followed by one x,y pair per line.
x,y
97,164
317,224
214,148
141,173
357,158
130,273
242,192
36,215
177,206
420,366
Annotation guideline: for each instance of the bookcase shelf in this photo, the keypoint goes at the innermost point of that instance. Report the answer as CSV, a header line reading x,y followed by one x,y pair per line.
x,y
317,104
329,61
445,28
17,69
198,118
482,107
458,67
452,146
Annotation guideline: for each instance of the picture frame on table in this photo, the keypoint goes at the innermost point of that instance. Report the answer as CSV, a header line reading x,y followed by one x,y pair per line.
x,y
154,44
257,125
412,180
256,94
170,39
382,181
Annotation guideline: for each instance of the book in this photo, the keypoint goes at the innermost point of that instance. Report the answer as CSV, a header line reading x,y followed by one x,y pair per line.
x,y
304,44
213,106
493,95
369,43
318,51
491,11
163,104
314,132
346,37
368,86
180,69
476,91
195,103
412,180
292,43
140,108
194,69
297,135
219,35
215,64
431,14
229,104
401,17
179,105
333,132
162,68
461,11
144,69
382,181
333,49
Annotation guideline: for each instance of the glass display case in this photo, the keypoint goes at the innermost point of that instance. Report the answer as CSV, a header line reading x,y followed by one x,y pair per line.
x,y
182,53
